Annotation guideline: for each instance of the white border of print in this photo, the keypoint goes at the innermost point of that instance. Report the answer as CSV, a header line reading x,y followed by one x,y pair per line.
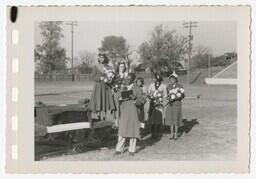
x,y
184,2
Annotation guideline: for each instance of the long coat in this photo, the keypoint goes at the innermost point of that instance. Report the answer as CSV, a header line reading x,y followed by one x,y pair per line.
x,y
173,112
117,95
102,99
129,123
156,113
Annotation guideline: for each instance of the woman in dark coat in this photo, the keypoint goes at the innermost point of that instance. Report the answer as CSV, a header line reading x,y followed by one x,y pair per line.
x,y
140,107
102,99
173,113
156,112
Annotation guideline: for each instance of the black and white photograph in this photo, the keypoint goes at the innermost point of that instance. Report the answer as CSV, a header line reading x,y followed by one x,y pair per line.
x,y
135,90
131,89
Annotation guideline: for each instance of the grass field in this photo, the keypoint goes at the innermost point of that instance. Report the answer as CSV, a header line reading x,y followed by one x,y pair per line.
x,y
212,137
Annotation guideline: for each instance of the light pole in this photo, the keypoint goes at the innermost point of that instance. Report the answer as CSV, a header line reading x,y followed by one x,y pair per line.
x,y
209,66
72,24
189,25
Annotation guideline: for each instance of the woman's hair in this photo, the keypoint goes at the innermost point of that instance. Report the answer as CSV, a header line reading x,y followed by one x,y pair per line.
x,y
176,79
119,63
171,76
140,79
106,60
158,77
132,75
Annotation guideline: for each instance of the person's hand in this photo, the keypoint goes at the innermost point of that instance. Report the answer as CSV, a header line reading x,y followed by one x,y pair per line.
x,y
132,96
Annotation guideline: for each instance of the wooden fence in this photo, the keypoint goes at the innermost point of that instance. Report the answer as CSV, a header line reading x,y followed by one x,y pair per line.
x,y
78,77
62,77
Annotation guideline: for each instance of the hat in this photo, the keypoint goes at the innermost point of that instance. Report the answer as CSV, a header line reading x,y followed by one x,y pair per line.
x,y
173,75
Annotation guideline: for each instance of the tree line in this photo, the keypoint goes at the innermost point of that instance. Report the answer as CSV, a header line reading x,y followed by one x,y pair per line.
x,y
163,50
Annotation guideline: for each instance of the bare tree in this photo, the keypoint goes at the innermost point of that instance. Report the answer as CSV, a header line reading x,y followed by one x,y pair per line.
x,y
87,57
201,50
200,57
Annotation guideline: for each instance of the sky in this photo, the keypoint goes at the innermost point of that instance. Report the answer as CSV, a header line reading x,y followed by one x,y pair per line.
x,y
219,36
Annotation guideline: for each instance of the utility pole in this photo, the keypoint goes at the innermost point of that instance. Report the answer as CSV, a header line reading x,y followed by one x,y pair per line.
x,y
209,66
189,25
72,24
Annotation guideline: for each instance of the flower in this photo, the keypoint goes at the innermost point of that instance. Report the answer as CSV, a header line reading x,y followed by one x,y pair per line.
x,y
182,90
175,90
173,96
155,94
159,95
110,74
156,97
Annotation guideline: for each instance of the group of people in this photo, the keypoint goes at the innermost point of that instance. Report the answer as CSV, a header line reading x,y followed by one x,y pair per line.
x,y
124,95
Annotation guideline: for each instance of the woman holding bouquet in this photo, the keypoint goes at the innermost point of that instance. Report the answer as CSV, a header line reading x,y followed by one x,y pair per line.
x,y
173,115
157,95
129,120
102,99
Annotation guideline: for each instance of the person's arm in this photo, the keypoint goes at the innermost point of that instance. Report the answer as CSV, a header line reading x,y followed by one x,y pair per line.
x,y
139,100
133,96
149,91
183,92
96,74
165,92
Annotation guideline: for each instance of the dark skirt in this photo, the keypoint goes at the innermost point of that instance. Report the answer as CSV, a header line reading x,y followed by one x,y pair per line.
x,y
129,125
102,99
155,114
141,113
173,114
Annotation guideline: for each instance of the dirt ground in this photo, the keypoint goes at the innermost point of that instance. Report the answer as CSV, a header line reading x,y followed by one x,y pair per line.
x,y
210,134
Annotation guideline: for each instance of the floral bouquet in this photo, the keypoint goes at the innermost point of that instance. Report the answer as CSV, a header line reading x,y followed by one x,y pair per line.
x,y
157,98
109,76
118,84
175,94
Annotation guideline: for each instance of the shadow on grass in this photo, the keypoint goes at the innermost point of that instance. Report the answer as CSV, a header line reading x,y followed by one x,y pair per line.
x,y
106,137
185,128
148,139
188,125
